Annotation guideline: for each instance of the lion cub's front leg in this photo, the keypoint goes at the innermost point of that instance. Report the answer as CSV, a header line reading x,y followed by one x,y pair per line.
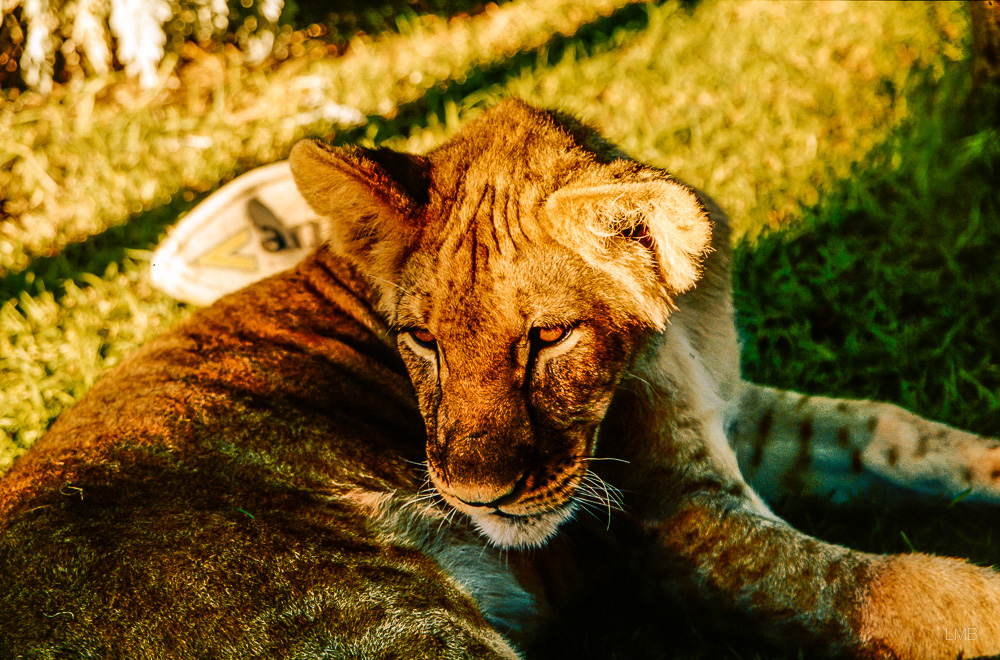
x,y
715,544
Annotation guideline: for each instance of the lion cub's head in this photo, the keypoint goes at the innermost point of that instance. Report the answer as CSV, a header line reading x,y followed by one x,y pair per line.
x,y
522,264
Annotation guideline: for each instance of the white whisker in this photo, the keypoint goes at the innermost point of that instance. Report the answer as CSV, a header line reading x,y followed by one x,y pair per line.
x,y
444,521
420,464
390,283
632,376
616,494
594,493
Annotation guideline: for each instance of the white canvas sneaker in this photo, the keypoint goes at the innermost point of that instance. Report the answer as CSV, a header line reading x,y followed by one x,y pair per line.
x,y
254,226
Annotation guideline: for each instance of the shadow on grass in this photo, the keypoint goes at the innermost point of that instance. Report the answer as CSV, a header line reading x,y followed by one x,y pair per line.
x,y
347,18
483,84
145,230
94,255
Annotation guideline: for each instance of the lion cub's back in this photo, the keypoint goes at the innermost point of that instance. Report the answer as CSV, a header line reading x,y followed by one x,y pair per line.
x,y
289,378
187,505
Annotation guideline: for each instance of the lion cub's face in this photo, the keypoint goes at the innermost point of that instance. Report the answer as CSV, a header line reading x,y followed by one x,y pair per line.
x,y
523,266
514,362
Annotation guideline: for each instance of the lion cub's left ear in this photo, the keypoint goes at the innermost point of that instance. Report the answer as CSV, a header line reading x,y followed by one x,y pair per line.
x,y
650,235
372,197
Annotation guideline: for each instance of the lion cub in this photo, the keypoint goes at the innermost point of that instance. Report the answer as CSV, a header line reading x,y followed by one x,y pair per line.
x,y
381,453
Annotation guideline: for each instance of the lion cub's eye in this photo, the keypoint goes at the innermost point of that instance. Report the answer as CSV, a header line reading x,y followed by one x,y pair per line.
x,y
549,336
423,338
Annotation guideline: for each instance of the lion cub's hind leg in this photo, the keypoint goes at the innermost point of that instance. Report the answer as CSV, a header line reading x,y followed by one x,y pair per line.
x,y
786,442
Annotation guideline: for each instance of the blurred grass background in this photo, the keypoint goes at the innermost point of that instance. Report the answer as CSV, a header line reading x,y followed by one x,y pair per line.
x,y
843,138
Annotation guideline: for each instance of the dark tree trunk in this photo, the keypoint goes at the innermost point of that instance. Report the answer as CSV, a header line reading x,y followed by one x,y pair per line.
x,y
985,41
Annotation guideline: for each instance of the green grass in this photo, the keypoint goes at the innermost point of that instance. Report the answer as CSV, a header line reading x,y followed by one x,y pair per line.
x,y
890,286
847,126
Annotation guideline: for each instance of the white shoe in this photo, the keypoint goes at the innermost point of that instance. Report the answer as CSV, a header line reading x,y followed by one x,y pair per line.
x,y
254,226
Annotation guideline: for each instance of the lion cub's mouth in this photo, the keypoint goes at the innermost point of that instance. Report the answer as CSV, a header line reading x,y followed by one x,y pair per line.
x,y
508,530
508,516
529,521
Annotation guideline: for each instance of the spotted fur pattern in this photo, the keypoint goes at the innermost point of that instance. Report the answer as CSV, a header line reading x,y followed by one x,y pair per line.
x,y
385,452
791,443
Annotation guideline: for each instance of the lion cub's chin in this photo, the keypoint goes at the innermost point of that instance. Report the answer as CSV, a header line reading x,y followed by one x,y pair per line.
x,y
527,531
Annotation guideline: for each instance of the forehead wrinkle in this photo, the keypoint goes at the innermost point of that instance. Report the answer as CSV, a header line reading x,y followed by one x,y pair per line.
x,y
481,230
509,232
459,256
475,308
467,232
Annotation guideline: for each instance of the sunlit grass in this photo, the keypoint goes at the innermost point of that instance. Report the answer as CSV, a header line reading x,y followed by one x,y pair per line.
x,y
52,351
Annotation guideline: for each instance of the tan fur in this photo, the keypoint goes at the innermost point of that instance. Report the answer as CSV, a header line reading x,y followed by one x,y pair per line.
x,y
918,603
385,452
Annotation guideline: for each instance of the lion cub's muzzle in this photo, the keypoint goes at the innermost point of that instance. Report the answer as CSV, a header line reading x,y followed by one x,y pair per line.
x,y
500,476
483,470
493,460
526,513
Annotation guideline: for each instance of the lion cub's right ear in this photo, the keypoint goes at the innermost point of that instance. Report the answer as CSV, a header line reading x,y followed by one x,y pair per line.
x,y
373,198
